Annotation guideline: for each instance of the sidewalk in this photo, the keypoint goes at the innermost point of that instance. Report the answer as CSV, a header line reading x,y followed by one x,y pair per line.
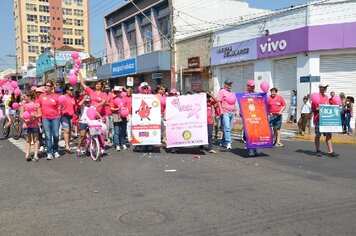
x,y
293,128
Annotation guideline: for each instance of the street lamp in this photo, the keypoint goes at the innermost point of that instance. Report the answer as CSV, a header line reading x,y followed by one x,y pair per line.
x,y
10,55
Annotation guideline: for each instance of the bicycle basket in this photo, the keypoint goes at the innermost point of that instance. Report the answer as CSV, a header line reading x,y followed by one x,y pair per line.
x,y
95,129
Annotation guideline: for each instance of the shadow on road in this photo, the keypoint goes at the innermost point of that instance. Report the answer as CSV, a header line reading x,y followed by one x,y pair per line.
x,y
307,152
242,152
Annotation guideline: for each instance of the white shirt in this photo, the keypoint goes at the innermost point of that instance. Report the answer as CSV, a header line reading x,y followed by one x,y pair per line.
x,y
5,98
306,108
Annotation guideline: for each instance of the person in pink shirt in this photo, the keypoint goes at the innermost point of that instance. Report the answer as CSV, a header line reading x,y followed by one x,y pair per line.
x,y
108,114
68,111
210,102
30,126
161,95
228,112
323,99
50,119
128,102
276,105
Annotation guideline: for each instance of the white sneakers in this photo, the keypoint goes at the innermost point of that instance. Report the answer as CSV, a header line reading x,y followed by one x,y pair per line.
x,y
49,156
118,148
228,146
123,147
41,149
56,155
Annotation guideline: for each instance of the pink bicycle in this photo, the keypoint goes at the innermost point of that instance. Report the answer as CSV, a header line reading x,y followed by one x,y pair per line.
x,y
92,143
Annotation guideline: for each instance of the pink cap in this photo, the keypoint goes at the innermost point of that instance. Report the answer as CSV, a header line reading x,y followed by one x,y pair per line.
x,y
173,91
251,83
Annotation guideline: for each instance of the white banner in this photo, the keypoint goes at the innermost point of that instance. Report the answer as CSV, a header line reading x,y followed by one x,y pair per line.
x,y
146,119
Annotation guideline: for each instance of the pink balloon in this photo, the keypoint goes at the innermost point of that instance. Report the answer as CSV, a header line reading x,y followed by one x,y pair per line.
x,y
315,98
104,128
91,113
17,92
78,62
264,86
163,100
336,100
123,94
124,112
75,55
30,107
62,100
26,115
15,106
73,80
33,88
231,99
14,84
117,101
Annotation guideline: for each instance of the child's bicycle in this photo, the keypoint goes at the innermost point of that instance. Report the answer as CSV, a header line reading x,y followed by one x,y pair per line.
x,y
92,143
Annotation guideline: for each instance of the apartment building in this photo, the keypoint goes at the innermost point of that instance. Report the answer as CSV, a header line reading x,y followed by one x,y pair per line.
x,y
42,25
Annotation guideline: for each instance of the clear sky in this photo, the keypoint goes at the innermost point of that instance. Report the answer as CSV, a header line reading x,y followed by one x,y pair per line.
x,y
97,9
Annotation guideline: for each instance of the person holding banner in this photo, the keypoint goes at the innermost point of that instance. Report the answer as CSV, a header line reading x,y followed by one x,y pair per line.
x,y
276,105
227,105
322,98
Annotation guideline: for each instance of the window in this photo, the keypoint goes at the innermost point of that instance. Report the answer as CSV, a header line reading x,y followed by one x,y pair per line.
x,y
45,49
31,17
32,39
44,29
32,60
132,43
67,31
44,19
67,2
79,32
68,21
43,8
78,22
33,49
147,38
44,39
43,0
78,2
32,28
79,41
78,12
67,41
31,7
67,11
165,28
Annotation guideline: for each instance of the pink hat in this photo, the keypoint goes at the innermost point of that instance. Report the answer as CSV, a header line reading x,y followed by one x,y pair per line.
x,y
251,83
173,91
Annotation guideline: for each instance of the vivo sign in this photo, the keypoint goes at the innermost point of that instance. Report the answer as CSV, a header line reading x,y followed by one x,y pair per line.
x,y
273,46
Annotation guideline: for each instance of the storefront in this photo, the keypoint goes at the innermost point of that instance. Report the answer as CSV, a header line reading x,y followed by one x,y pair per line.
x,y
195,77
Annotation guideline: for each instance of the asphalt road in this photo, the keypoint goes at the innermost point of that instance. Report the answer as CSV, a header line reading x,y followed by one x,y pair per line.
x,y
287,191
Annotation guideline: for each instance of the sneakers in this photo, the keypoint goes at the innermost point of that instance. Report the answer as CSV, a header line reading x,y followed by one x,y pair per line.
x,y
35,158
124,147
228,146
28,158
41,149
279,145
251,153
257,152
102,151
56,155
333,154
318,153
49,156
212,151
118,148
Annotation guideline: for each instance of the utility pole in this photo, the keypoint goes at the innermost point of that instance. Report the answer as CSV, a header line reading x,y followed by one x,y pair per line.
x,y
15,56
172,43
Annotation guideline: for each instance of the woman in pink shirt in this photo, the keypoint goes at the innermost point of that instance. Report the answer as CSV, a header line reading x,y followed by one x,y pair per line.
x,y
68,111
50,119
276,105
30,126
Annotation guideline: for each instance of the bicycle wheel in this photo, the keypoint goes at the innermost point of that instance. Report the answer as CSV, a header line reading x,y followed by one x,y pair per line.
x,y
17,128
5,131
95,148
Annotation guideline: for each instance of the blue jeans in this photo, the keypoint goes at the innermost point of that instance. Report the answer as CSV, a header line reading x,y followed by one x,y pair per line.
x,y
227,123
119,132
348,121
51,128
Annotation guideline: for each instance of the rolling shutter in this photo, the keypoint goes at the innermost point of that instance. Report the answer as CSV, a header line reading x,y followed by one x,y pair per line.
x,y
285,80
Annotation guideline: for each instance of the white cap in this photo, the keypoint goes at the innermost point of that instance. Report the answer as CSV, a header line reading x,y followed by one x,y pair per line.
x,y
143,84
118,88
323,85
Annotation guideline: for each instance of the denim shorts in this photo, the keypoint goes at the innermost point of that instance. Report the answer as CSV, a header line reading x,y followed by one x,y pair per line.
x,y
317,131
34,131
66,122
276,121
82,126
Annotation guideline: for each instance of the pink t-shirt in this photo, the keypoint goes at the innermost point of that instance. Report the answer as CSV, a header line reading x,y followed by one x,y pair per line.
x,y
49,105
69,107
275,104
97,98
108,111
33,122
128,102
222,97
210,112
323,100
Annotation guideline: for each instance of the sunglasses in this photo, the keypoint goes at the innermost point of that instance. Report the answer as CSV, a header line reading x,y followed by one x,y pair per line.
x,y
145,88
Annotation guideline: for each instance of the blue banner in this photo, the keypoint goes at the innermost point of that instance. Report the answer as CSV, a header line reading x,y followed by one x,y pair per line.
x,y
126,67
330,118
253,110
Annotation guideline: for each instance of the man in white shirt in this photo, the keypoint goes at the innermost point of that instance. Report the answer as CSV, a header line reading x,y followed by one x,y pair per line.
x,y
305,114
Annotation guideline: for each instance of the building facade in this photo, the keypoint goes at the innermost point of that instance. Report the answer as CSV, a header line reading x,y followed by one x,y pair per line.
x,y
42,25
288,48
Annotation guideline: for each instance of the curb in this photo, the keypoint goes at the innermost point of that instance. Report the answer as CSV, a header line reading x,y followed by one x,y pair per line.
x,y
334,140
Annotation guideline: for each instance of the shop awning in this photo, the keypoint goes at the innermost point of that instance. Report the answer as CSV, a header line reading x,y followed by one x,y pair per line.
x,y
193,70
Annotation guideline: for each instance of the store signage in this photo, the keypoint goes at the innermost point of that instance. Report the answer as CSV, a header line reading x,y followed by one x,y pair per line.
x,y
126,67
308,79
193,62
157,76
130,81
236,52
273,46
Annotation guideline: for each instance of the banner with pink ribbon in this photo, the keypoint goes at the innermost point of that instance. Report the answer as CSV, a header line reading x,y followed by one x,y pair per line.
x,y
186,120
